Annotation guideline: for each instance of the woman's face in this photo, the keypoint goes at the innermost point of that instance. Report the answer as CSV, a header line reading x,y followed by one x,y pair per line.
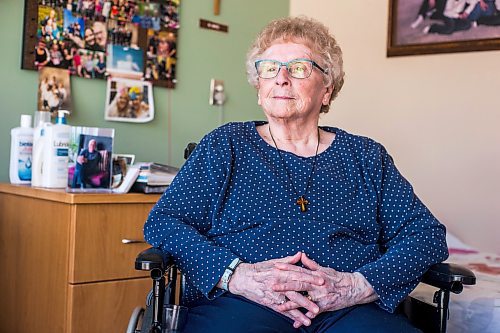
x,y
285,97
89,37
162,45
122,101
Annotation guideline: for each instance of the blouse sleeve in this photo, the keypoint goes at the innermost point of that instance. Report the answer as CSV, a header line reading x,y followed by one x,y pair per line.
x,y
411,237
180,220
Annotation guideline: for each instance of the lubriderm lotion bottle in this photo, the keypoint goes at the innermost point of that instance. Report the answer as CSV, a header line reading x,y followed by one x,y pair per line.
x,y
20,152
55,160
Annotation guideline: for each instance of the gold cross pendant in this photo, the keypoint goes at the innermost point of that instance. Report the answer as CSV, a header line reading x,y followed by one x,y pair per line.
x,y
302,202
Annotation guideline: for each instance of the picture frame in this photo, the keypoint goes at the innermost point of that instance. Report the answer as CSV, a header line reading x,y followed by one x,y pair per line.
x,y
90,162
435,33
129,158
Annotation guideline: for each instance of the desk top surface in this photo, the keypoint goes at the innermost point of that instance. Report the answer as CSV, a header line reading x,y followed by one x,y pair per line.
x,y
61,195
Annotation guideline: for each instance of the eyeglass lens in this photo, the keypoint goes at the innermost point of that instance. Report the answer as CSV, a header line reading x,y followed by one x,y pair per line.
x,y
299,69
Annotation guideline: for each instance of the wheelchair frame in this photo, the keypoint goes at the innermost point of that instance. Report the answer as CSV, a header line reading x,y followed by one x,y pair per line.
x,y
448,278
427,317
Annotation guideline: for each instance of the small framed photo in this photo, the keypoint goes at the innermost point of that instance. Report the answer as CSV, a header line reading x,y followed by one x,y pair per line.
x,y
129,158
129,100
90,159
442,26
122,164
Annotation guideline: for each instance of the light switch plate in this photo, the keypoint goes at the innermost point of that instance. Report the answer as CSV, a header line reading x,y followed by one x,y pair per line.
x,y
217,94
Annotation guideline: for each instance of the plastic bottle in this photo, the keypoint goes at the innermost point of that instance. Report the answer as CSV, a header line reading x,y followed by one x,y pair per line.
x,y
21,152
55,147
41,118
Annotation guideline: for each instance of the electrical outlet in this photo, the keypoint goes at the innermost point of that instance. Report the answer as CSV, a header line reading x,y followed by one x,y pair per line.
x,y
217,94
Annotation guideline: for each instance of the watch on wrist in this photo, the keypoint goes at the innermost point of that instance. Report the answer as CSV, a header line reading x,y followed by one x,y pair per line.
x,y
228,273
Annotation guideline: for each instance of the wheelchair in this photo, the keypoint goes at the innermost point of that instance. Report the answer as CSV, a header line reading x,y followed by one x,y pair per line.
x,y
168,286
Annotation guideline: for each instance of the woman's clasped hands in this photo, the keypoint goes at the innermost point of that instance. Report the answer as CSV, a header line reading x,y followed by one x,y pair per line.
x,y
286,288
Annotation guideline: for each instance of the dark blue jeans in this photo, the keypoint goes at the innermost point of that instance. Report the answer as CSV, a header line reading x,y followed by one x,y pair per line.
x,y
233,314
477,12
450,26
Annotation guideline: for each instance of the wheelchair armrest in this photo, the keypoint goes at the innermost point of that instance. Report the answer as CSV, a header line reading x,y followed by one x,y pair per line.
x,y
449,277
153,258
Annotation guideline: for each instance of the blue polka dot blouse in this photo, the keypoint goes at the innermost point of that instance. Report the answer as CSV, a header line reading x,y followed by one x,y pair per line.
x,y
233,198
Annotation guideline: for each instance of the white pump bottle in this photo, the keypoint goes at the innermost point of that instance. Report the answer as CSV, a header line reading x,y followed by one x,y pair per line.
x,y
55,152
21,152
41,118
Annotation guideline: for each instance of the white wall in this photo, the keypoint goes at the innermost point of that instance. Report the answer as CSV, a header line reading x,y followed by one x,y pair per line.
x,y
438,115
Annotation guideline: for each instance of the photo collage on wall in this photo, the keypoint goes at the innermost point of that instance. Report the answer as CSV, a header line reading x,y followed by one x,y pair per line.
x,y
135,39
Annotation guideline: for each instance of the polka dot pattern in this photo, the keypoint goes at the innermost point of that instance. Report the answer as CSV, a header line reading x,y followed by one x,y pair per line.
x,y
232,198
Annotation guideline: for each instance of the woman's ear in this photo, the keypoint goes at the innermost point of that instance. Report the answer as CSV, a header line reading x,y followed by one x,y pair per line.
x,y
327,95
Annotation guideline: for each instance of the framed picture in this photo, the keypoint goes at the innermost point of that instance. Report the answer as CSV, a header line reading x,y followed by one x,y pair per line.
x,y
90,159
442,26
128,158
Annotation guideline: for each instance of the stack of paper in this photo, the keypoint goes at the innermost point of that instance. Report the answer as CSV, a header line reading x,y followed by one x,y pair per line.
x,y
154,177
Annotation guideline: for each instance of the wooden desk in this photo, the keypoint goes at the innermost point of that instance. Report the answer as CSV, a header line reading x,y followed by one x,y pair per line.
x,y
64,267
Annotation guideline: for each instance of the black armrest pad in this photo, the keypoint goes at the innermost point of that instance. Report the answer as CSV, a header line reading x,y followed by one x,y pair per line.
x,y
450,277
153,258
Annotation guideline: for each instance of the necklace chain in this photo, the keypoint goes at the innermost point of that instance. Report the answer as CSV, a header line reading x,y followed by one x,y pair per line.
x,y
301,200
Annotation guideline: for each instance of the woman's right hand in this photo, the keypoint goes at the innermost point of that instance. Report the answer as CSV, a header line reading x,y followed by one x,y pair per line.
x,y
257,282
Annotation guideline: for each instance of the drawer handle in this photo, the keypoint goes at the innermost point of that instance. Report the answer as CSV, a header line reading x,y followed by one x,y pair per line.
x,y
132,241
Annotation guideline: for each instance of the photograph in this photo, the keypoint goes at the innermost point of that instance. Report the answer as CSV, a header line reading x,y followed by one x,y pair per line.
x,y
161,55
124,60
121,10
129,158
123,33
129,100
443,26
90,159
54,91
50,23
73,28
149,13
86,8
89,64
170,14
122,164
95,36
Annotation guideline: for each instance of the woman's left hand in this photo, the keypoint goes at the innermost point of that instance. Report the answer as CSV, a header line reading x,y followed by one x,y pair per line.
x,y
339,291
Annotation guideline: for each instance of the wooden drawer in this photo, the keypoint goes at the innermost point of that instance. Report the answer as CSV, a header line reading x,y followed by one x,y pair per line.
x,y
96,251
33,265
105,306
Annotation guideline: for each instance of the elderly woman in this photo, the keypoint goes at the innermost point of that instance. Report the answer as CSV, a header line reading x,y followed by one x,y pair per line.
x,y
285,226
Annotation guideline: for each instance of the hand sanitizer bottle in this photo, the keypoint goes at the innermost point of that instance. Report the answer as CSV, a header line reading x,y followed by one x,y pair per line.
x,y
21,152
